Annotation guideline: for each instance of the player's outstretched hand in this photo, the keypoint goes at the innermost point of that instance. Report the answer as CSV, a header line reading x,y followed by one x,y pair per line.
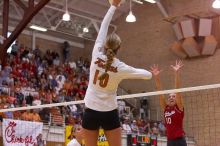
x,y
155,70
116,2
179,64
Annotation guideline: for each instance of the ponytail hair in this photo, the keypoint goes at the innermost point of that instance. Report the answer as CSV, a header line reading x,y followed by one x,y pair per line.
x,y
112,46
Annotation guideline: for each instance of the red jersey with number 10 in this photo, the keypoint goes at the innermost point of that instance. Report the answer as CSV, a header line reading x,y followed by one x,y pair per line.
x,y
174,122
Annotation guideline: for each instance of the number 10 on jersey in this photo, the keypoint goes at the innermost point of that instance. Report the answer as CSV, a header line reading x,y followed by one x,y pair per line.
x,y
102,83
168,120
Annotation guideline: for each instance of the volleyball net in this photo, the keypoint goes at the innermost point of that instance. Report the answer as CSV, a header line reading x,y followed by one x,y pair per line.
x,y
54,122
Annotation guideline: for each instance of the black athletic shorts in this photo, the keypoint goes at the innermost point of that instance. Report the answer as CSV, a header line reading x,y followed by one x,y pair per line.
x,y
177,142
93,120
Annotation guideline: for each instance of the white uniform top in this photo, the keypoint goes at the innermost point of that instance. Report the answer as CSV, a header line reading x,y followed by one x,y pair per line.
x,y
101,95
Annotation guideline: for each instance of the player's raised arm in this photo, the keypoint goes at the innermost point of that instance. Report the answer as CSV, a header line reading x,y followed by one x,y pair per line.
x,y
104,28
176,68
129,72
156,73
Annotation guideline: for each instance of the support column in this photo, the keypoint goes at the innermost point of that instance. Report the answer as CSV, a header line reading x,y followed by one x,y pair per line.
x,y
5,18
5,13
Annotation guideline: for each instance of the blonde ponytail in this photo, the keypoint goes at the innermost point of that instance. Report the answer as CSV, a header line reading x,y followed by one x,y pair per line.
x,y
112,45
110,56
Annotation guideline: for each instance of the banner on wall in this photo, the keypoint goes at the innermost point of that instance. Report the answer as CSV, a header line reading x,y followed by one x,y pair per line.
x,y
102,141
21,133
68,134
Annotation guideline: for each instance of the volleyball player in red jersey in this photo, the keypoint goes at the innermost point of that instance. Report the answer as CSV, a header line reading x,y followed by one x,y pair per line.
x,y
173,108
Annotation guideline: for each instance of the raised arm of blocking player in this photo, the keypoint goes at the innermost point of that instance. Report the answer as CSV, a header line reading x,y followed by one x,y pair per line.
x,y
176,68
156,73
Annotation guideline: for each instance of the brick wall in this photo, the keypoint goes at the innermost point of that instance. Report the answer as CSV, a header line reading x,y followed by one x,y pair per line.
x,y
147,42
180,7
44,45
202,116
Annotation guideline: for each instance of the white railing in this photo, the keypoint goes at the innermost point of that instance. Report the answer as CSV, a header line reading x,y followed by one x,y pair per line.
x,y
132,102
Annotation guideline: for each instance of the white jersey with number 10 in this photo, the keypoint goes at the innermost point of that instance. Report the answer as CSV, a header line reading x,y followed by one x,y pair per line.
x,y
101,95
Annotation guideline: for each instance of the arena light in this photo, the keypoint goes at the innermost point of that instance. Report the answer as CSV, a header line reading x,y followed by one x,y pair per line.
x,y
130,17
85,29
216,4
39,28
66,15
138,1
151,1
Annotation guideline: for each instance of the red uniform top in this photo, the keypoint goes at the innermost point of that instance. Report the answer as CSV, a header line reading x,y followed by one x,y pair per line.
x,y
174,122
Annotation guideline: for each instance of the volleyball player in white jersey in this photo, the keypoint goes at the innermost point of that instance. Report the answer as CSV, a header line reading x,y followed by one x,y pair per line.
x,y
106,72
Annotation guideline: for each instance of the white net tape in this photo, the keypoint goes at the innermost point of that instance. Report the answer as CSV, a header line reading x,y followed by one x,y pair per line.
x,y
138,95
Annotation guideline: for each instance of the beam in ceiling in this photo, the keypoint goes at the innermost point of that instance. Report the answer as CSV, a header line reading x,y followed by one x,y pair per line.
x,y
48,37
17,10
46,17
5,18
75,14
29,14
21,4
72,8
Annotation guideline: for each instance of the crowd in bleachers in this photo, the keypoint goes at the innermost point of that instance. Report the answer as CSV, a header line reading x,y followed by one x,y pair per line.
x,y
34,78
31,78
141,126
